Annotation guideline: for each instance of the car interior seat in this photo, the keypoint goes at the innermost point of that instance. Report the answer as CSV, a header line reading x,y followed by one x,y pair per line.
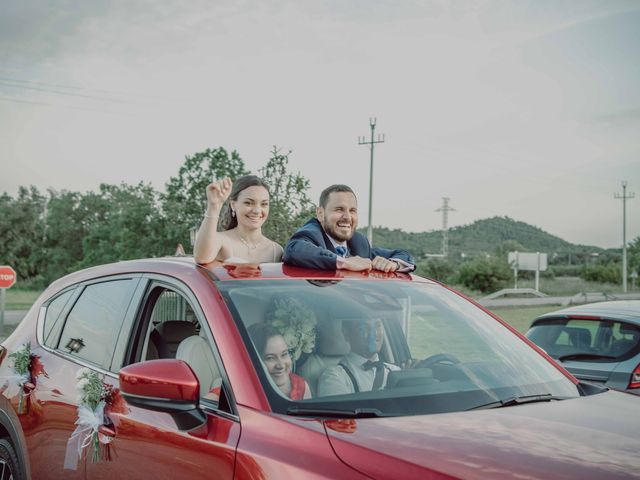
x,y
196,352
579,337
157,347
172,332
630,340
331,346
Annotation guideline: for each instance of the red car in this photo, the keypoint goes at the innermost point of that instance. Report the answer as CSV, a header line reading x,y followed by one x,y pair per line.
x,y
163,369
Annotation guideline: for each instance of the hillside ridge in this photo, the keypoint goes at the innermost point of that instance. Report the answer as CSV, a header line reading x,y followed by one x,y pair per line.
x,y
485,236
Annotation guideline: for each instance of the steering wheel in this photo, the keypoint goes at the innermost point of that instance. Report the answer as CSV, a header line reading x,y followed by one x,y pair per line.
x,y
437,358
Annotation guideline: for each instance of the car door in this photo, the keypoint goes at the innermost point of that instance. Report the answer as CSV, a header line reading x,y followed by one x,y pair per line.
x,y
147,444
78,328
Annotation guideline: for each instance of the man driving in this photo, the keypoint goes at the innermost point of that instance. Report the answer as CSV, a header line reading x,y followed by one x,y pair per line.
x,y
361,369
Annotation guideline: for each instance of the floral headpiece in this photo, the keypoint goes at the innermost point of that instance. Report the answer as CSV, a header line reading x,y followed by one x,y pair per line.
x,y
297,324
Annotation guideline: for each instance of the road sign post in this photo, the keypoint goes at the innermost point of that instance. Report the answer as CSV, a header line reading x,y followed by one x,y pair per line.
x,y
535,262
7,279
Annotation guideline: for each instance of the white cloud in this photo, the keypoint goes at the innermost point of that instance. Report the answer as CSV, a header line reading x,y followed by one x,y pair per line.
x,y
499,106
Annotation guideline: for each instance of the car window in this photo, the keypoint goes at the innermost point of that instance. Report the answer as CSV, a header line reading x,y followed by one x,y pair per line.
x,y
173,330
93,323
400,348
612,340
53,318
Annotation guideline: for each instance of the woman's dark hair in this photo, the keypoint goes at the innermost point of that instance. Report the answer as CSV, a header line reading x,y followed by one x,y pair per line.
x,y
228,221
260,333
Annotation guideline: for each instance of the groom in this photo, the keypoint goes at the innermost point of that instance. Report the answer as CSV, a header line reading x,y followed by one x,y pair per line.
x,y
330,241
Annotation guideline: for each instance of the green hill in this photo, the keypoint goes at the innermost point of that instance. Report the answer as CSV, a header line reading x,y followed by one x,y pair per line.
x,y
482,237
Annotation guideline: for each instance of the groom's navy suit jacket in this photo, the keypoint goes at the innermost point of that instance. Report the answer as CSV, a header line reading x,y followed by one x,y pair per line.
x,y
310,247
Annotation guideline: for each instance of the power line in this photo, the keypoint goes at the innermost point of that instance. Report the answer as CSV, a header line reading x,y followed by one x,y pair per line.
x,y
84,89
59,92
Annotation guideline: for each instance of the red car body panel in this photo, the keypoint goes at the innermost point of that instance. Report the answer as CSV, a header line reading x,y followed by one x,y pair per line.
x,y
517,442
528,441
277,446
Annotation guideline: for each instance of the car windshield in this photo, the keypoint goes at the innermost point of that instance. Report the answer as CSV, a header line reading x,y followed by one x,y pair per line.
x,y
582,339
372,347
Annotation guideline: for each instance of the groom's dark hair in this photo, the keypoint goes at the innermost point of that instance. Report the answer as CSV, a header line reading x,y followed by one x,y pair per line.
x,y
324,196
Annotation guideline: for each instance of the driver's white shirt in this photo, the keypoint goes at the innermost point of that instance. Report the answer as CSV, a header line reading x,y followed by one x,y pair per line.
x,y
335,380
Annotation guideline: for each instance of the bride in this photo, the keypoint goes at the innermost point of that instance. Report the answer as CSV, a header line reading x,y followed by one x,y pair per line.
x,y
241,239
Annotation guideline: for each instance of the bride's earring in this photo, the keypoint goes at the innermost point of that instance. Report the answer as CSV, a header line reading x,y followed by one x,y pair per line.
x,y
233,213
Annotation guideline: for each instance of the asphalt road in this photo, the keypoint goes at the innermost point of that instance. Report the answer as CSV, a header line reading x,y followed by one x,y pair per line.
x,y
11,319
14,317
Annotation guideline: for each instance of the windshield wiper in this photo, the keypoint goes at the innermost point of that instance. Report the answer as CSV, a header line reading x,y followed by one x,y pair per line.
x,y
585,356
511,401
331,413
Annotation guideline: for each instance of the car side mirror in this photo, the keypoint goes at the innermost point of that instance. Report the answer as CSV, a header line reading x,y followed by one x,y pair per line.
x,y
164,385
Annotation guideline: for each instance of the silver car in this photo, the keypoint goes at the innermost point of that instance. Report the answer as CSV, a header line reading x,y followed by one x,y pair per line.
x,y
597,342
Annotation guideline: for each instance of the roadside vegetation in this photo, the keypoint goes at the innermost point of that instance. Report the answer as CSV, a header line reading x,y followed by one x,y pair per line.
x,y
45,235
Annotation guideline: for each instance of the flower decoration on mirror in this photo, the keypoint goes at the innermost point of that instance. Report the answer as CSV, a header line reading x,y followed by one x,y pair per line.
x,y
96,400
297,324
26,368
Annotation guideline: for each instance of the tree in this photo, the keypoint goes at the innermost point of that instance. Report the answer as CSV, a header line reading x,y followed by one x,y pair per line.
x,y
185,199
633,251
502,250
486,274
123,222
65,228
289,204
21,231
439,269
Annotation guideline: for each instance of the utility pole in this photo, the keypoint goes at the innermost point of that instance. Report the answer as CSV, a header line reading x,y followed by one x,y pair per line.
x,y
445,209
624,198
371,143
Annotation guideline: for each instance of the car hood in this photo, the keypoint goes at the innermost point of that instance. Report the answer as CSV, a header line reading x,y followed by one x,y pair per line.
x,y
588,437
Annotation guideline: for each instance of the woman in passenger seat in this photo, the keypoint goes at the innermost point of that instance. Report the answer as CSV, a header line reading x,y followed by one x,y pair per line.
x,y
276,356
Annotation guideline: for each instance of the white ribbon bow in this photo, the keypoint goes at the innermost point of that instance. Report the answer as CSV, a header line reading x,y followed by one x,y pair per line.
x,y
13,384
87,423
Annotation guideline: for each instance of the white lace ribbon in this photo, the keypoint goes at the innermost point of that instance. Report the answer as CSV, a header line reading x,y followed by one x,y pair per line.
x,y
87,423
13,384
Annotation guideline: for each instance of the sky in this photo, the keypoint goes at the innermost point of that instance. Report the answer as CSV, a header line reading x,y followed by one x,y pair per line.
x,y
528,109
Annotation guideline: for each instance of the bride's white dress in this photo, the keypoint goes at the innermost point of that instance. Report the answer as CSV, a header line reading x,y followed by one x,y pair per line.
x,y
266,256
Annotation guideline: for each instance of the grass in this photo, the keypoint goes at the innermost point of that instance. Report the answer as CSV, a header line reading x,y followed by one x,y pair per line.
x,y
569,286
521,317
20,299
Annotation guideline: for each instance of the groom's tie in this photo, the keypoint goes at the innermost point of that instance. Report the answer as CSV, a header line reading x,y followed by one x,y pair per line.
x,y
379,369
341,251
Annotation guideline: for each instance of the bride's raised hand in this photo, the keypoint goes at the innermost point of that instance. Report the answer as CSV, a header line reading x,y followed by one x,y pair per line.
x,y
217,193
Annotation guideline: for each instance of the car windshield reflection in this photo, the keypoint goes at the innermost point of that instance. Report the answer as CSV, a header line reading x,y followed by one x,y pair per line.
x,y
393,348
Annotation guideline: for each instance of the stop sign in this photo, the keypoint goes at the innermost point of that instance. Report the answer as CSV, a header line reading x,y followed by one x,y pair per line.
x,y
7,276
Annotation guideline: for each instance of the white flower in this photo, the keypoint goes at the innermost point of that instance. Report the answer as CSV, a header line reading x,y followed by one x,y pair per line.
x,y
83,372
82,382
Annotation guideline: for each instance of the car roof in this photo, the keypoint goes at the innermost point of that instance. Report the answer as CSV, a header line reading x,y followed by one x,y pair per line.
x,y
274,271
181,265
622,310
